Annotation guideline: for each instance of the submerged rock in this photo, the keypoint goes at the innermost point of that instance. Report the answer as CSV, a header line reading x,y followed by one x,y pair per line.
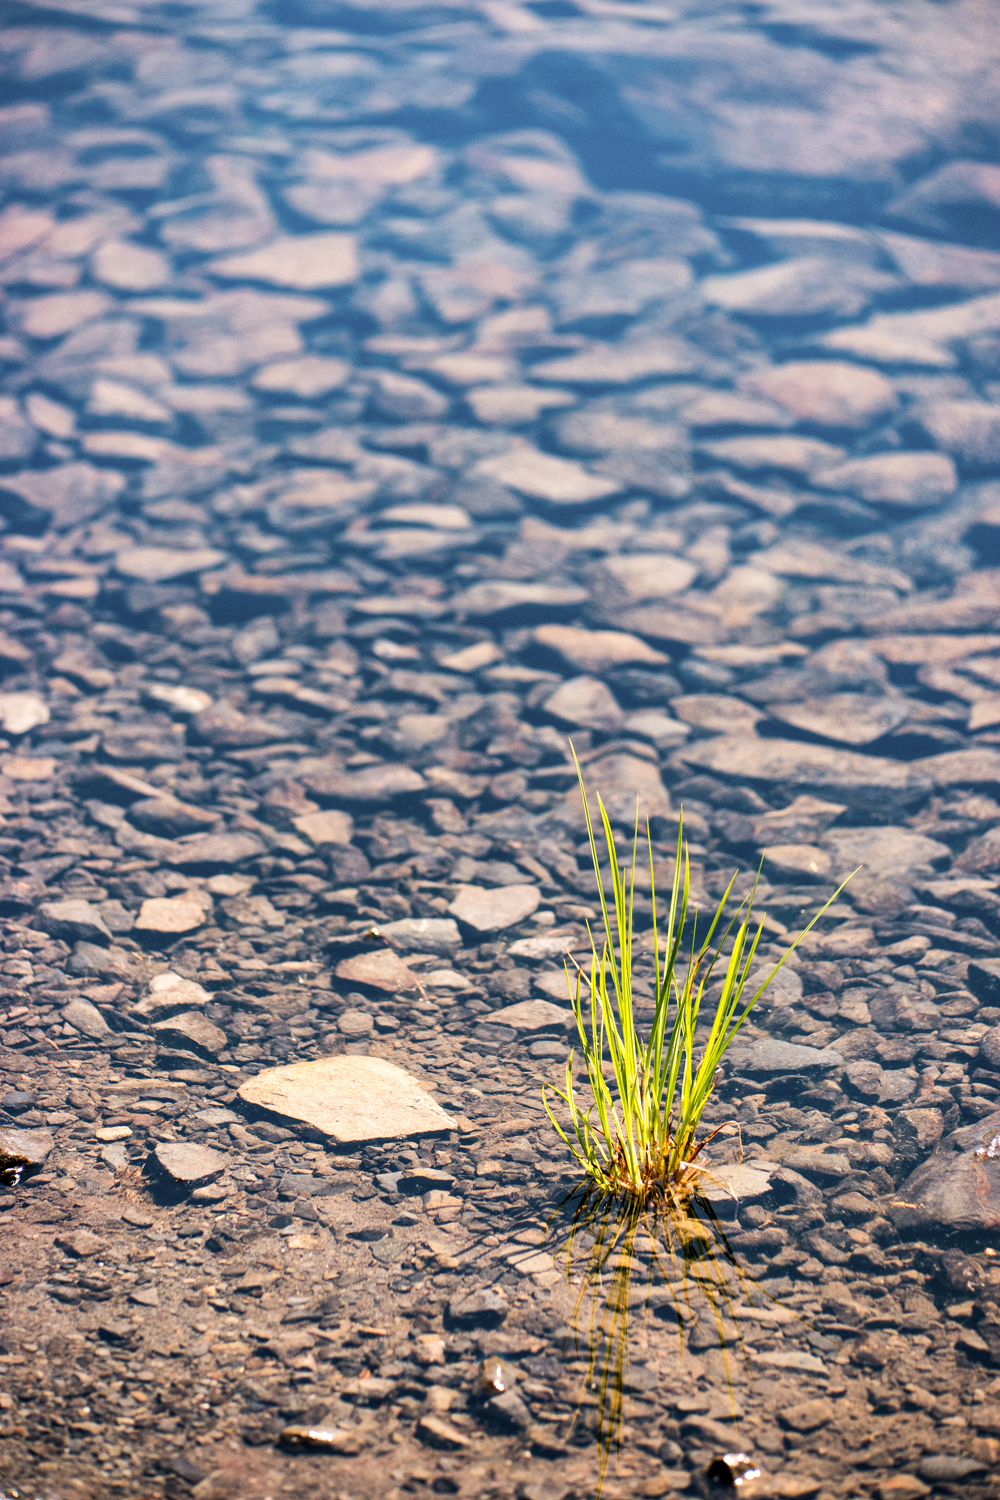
x,y
955,1192
349,1099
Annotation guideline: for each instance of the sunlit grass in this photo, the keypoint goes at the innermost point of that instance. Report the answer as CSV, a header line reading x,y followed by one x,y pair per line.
x,y
639,1133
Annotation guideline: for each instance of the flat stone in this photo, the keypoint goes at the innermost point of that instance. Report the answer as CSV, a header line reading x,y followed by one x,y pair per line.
x,y
86,1019
350,1099
819,1166
598,650
172,819
402,398
496,599
585,703
984,981
799,456
534,1015
51,316
130,268
308,377
626,784
956,1192
170,992
555,983
110,963
717,711
805,286
808,1416
438,1433
864,1079
542,476
641,576
160,564
483,1308
861,782
770,1058
494,910
72,919
189,1165
736,1182
175,915
935,264
191,1029
888,852
216,849
23,1148
793,861
374,786
228,729
825,393
970,430
303,263
903,481
620,364
850,718
22,712
979,769
325,829
80,1243
423,935
382,970
178,698
950,1468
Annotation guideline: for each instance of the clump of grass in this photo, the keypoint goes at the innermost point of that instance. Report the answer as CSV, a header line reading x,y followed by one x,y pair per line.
x,y
640,1134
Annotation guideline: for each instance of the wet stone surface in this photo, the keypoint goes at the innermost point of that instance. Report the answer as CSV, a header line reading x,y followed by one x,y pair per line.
x,y
386,394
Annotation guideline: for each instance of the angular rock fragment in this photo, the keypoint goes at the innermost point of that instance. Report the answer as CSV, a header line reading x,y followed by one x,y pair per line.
x,y
382,970
494,910
423,935
22,712
72,919
903,481
374,786
173,916
85,1018
850,718
215,851
191,1030
826,393
585,703
955,1194
305,263
349,1099
861,781
770,1058
189,1165
23,1150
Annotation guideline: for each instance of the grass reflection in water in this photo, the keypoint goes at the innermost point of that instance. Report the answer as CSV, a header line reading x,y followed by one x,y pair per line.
x,y
629,1259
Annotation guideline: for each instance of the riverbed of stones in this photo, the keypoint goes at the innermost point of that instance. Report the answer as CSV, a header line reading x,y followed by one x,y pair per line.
x,y
387,399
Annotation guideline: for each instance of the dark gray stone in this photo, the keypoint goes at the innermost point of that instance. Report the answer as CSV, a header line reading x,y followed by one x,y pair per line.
x,y
480,1309
770,1058
189,1165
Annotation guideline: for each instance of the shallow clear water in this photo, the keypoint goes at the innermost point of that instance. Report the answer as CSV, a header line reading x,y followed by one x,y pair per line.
x,y
390,394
